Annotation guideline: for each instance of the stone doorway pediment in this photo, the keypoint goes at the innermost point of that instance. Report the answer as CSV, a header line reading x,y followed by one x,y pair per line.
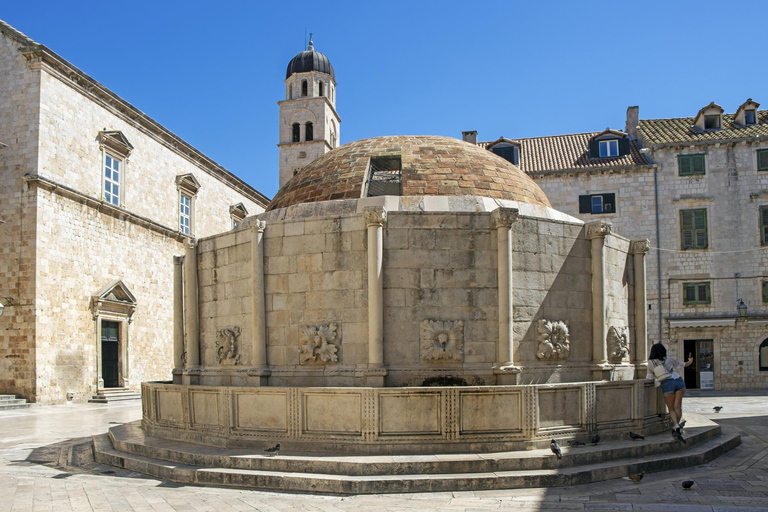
x,y
114,298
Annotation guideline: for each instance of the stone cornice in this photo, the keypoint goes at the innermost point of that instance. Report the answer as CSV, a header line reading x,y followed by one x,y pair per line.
x,y
103,206
592,170
39,55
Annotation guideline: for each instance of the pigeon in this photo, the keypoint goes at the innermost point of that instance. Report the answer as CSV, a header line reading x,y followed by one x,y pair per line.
x,y
636,478
273,450
688,484
717,408
575,442
596,439
679,437
636,436
682,424
555,449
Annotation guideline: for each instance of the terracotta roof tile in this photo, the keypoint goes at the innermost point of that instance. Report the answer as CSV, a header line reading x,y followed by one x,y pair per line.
x,y
681,129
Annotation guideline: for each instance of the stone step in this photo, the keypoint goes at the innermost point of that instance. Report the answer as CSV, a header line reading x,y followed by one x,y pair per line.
x,y
398,483
105,396
130,438
8,402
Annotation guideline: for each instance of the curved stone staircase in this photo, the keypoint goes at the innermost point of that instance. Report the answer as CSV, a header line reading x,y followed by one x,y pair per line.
x,y
128,447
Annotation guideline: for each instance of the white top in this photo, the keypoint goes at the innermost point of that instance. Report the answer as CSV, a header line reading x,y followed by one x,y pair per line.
x,y
670,363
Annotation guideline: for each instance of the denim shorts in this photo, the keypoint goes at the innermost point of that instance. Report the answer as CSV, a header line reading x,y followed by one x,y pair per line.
x,y
672,385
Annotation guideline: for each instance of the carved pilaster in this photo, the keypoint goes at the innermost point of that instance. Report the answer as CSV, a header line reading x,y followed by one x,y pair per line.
x,y
258,304
178,315
597,229
504,217
596,233
375,218
502,220
639,249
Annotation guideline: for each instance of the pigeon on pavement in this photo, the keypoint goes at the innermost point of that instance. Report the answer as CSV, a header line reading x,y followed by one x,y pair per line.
x,y
556,449
718,408
688,484
635,436
596,439
273,450
679,437
636,478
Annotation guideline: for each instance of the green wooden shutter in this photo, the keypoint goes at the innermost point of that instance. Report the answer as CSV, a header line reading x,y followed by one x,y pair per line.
x,y
624,146
703,295
683,165
762,160
697,164
689,292
765,291
764,225
594,149
585,204
700,217
686,229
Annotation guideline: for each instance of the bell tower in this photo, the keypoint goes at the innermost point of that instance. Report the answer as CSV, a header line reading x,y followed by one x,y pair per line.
x,y
309,124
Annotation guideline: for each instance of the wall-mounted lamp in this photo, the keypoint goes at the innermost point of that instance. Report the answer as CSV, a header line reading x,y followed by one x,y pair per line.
x,y
742,309
9,302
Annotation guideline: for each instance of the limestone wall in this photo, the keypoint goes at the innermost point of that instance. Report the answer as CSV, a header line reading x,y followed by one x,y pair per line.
x,y
70,154
19,110
439,274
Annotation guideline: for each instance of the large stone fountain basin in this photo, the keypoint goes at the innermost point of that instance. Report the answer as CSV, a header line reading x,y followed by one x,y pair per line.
x,y
407,420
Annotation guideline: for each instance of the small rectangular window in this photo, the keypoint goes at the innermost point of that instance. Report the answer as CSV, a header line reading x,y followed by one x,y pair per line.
x,y
750,117
693,229
185,214
712,122
597,203
690,164
697,293
508,153
609,148
385,177
762,159
765,291
112,180
763,220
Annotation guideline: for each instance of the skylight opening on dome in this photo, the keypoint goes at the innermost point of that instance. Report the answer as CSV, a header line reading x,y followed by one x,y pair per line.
x,y
385,177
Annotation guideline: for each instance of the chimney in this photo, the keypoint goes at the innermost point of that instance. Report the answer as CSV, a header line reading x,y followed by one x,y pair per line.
x,y
633,118
470,136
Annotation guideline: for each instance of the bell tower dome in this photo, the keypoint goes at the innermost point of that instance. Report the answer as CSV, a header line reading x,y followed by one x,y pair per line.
x,y
309,124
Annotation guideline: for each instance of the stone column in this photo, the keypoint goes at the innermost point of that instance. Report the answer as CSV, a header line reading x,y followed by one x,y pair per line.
x,y
505,369
639,249
375,217
258,307
178,317
191,316
596,233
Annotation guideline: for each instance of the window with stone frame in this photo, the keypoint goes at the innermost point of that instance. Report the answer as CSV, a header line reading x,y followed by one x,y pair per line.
x,y
237,213
691,165
763,355
762,159
763,225
693,229
112,184
696,294
597,203
765,290
188,187
115,150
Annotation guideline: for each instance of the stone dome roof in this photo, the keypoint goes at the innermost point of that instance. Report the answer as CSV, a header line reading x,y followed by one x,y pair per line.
x,y
310,60
431,166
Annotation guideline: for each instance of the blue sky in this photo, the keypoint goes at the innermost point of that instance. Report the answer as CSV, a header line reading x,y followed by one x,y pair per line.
x,y
212,72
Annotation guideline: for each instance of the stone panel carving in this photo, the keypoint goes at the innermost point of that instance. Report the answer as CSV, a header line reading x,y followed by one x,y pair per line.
x,y
226,345
554,340
316,343
618,342
442,339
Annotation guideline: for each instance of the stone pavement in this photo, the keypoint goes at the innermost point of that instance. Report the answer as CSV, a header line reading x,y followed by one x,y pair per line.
x,y
34,475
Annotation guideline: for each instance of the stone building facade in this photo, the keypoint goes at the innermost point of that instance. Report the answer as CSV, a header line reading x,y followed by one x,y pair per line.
x,y
672,174
96,199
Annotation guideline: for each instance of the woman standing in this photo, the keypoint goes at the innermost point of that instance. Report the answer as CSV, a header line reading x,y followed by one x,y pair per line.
x,y
672,387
